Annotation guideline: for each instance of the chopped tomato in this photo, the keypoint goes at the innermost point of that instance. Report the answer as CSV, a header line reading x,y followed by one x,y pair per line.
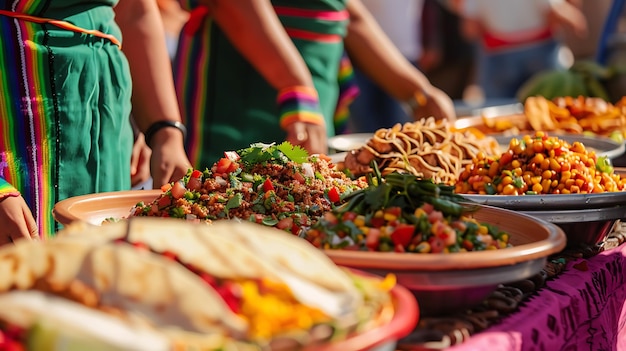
x,y
178,190
372,239
506,157
196,174
396,211
402,235
194,183
349,216
436,244
225,165
377,222
333,195
267,185
285,223
164,201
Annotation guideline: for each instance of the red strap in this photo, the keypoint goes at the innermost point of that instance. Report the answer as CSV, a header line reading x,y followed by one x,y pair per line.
x,y
61,24
497,42
196,18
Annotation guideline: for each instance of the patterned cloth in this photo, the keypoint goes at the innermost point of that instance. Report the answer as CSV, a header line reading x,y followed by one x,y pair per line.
x,y
64,104
583,309
226,103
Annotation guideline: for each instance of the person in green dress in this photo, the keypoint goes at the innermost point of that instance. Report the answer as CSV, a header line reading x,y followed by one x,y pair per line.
x,y
252,71
65,101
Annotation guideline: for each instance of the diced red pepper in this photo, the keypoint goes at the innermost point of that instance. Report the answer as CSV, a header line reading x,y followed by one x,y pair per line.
x,y
267,185
285,223
333,195
402,235
377,222
396,211
194,183
196,174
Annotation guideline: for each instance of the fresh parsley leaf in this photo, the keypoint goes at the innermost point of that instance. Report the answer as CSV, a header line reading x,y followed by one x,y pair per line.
x,y
293,152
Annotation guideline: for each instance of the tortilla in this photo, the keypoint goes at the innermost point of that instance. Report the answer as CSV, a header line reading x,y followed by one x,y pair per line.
x,y
244,250
143,285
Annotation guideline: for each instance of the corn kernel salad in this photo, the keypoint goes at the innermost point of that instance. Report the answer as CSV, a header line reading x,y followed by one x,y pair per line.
x,y
276,185
405,214
540,164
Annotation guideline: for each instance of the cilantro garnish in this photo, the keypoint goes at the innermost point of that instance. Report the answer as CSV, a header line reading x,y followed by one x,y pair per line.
x,y
281,153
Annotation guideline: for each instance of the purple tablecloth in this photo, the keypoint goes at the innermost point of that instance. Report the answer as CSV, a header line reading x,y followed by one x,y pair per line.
x,y
583,309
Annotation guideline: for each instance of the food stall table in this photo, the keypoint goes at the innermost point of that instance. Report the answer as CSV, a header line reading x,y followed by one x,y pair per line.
x,y
584,308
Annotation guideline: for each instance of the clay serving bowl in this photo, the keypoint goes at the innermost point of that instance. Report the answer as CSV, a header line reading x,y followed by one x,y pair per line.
x,y
445,283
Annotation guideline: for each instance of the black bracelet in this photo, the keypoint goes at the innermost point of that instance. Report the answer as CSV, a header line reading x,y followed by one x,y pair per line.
x,y
156,126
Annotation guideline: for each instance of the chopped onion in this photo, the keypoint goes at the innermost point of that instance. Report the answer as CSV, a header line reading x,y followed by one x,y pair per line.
x,y
307,169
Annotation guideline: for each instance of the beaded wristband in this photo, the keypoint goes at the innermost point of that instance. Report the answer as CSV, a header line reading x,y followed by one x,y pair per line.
x,y
156,126
7,189
299,104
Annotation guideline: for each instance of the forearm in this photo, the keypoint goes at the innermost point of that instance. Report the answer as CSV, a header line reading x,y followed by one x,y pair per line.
x,y
374,54
254,29
154,97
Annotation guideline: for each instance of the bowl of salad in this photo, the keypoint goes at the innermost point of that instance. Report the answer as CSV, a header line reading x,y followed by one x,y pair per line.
x,y
450,252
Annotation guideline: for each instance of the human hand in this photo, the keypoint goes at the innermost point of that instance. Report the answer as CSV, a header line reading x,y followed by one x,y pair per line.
x,y
169,161
312,137
438,104
17,221
140,161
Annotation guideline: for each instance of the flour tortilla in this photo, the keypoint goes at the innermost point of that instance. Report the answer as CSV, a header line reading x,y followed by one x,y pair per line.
x,y
235,250
142,284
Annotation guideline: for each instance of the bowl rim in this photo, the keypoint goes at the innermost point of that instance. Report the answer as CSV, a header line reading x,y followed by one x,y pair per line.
x,y
62,210
554,242
405,317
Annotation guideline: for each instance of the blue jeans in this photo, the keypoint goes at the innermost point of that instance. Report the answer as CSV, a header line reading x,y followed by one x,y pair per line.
x,y
373,108
502,73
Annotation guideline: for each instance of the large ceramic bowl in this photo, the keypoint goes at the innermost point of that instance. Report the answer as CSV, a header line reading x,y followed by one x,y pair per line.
x,y
448,282
95,208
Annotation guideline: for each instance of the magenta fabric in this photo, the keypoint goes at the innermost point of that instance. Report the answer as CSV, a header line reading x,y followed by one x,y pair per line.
x,y
584,309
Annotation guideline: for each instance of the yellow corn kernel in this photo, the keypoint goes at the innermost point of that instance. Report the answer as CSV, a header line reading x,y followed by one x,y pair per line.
x,y
390,217
360,237
545,164
509,189
365,230
506,181
419,212
547,174
537,188
491,247
555,165
545,184
379,214
574,189
504,237
565,176
483,230
536,179
537,159
516,164
359,221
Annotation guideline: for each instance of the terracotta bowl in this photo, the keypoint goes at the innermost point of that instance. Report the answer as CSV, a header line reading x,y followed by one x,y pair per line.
x,y
95,208
445,283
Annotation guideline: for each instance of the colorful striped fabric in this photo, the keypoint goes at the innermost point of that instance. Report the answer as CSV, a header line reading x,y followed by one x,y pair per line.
x,y
7,189
64,104
299,104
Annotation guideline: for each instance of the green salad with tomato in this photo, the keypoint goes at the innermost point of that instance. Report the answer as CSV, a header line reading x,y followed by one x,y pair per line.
x,y
404,213
275,185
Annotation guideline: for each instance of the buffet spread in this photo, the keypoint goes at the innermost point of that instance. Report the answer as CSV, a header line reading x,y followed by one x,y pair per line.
x,y
426,236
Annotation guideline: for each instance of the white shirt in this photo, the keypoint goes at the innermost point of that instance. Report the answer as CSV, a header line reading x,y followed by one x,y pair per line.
x,y
401,21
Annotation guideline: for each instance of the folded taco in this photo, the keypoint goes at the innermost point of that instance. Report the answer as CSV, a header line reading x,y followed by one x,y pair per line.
x,y
279,284
77,290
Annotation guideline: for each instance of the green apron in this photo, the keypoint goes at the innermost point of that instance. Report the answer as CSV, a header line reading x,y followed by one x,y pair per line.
x,y
227,104
64,105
